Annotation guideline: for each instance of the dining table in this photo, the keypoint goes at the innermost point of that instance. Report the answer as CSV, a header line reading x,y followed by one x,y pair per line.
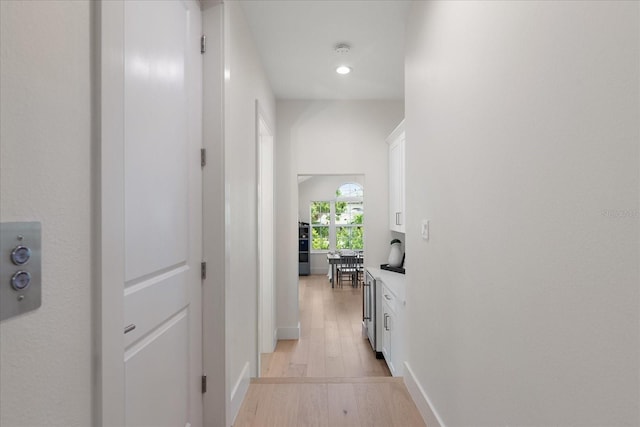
x,y
335,258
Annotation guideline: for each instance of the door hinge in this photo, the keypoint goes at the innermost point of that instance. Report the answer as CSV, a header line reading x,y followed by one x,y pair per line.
x,y
203,157
204,384
203,270
203,44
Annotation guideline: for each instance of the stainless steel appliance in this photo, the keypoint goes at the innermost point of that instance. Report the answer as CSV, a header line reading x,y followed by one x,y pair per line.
x,y
371,311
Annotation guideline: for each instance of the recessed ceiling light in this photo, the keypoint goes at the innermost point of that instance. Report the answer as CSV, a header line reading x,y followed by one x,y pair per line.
x,y
343,69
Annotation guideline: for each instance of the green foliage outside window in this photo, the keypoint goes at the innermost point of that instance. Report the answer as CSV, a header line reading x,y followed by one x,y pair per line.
x,y
348,220
320,238
349,238
320,212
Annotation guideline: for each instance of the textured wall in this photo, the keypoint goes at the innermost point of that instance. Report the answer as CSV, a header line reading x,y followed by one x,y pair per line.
x,y
45,110
522,151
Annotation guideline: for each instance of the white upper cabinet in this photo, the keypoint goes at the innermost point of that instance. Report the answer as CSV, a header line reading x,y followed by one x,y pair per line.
x,y
396,179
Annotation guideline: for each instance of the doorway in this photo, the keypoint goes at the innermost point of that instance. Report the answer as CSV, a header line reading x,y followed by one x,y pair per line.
x,y
266,272
331,342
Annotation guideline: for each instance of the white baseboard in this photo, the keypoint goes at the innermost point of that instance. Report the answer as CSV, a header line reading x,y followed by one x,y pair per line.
x,y
274,340
289,333
422,401
238,393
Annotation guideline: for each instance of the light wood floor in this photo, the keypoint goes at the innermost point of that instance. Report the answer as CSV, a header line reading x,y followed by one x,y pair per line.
x,y
330,376
328,402
331,341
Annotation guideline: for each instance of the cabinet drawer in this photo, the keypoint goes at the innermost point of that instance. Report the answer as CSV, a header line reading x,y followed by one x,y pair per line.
x,y
389,298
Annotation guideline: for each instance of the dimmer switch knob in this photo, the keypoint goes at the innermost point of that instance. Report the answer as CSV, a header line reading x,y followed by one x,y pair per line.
x,y
21,280
20,255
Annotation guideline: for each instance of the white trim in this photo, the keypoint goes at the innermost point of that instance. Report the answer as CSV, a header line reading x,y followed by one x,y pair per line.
x,y
265,261
109,257
395,133
289,333
275,338
239,392
422,401
214,231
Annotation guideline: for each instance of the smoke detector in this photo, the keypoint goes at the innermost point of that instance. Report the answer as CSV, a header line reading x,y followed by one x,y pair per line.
x,y
342,48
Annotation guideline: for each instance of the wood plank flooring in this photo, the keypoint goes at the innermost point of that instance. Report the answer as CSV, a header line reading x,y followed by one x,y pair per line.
x,y
328,402
330,376
331,341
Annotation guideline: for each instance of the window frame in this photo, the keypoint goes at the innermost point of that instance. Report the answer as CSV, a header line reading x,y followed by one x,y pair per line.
x,y
333,225
312,226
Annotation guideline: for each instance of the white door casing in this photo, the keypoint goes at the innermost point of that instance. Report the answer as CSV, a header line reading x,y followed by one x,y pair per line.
x,y
214,208
151,219
266,244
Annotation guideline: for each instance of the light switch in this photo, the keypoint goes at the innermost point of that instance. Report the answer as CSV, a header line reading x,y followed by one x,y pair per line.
x,y
20,268
424,229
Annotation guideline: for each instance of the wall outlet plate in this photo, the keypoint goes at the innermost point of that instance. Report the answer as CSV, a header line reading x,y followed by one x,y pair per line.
x,y
20,268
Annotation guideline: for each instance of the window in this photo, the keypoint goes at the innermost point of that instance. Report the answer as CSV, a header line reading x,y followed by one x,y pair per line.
x,y
350,190
320,223
349,225
339,224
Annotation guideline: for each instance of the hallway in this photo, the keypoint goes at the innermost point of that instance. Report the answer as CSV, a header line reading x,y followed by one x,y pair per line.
x,y
334,402
331,343
330,377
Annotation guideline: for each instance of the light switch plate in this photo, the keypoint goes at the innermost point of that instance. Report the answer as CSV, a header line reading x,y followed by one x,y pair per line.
x,y
424,229
20,268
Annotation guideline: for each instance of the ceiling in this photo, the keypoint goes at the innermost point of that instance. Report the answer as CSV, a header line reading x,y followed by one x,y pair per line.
x,y
296,40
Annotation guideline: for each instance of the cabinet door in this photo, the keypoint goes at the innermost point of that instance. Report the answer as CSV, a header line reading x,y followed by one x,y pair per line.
x,y
396,344
396,185
386,335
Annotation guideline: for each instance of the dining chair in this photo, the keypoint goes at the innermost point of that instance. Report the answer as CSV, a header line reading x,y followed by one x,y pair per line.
x,y
348,269
360,269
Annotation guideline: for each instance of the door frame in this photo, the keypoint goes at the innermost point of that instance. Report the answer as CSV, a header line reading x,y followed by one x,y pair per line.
x,y
266,297
110,410
108,206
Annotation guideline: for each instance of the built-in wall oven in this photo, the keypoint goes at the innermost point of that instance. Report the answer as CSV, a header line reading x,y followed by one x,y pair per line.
x,y
371,311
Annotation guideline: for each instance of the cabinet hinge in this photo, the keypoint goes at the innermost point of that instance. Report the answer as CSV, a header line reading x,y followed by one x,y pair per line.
x,y
204,384
203,157
203,270
203,44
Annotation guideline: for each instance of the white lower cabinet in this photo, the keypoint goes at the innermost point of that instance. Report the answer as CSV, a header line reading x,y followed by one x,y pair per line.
x,y
392,331
388,318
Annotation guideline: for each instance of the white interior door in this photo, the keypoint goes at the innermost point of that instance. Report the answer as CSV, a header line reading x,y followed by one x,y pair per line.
x,y
266,290
151,213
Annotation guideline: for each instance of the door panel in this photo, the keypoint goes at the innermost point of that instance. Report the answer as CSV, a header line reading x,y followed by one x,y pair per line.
x,y
159,363
150,303
155,136
161,267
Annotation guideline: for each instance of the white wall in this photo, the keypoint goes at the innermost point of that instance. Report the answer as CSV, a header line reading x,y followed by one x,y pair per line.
x,y
45,145
246,82
329,137
323,187
522,150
